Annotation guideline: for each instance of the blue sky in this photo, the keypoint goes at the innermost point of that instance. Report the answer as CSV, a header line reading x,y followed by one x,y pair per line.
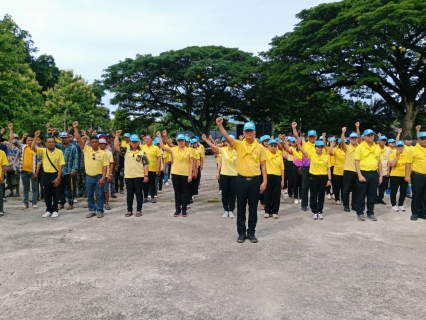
x,y
90,35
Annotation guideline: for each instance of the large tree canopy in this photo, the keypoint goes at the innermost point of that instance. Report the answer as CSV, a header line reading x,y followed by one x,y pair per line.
x,y
195,83
358,48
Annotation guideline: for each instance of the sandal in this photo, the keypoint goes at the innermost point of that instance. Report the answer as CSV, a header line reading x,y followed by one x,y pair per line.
x,y
100,215
128,214
138,214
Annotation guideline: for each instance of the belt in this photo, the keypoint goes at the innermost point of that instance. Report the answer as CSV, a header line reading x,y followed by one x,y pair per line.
x,y
420,174
248,178
88,175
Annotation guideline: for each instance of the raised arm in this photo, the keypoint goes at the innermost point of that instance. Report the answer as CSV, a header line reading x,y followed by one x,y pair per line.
x,y
219,122
80,141
418,128
168,140
398,136
117,140
358,131
342,139
299,143
214,148
33,144
295,133
162,146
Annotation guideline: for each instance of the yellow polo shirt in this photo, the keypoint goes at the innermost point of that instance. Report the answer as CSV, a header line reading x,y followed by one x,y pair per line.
x,y
27,162
110,159
3,162
134,162
181,160
57,158
94,161
274,163
249,157
407,150
340,157
229,162
319,164
399,169
386,152
350,158
417,158
153,152
201,151
197,156
368,157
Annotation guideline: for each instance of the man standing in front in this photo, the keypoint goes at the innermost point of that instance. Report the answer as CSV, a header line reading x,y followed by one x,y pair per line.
x,y
251,169
96,163
367,161
154,156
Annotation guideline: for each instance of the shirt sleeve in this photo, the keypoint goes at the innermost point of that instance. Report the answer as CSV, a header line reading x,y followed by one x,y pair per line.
x,y
409,156
263,156
357,153
61,158
105,161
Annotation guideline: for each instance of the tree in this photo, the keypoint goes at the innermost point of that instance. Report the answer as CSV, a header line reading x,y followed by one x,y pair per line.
x,y
196,83
358,48
124,120
47,73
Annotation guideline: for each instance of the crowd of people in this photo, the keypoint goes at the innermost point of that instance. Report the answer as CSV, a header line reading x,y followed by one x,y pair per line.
x,y
60,168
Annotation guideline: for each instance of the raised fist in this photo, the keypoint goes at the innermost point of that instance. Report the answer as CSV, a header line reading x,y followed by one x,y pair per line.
x,y
75,124
219,121
118,132
357,124
164,133
418,128
37,133
25,135
294,124
344,129
10,126
399,130
203,136
158,134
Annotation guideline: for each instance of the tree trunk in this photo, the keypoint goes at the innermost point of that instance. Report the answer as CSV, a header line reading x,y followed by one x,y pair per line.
x,y
407,120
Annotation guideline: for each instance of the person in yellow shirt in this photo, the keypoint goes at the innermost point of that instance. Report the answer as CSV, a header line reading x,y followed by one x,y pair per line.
x,y
135,171
3,163
386,152
159,179
368,165
193,187
415,171
202,153
154,156
96,164
297,155
182,171
168,164
397,160
126,141
288,168
53,160
110,169
252,177
337,176
275,173
319,178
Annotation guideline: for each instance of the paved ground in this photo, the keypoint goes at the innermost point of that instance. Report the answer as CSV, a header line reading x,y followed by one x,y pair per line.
x,y
162,267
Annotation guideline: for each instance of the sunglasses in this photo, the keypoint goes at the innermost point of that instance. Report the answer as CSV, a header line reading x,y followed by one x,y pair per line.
x,y
93,156
423,138
273,145
369,135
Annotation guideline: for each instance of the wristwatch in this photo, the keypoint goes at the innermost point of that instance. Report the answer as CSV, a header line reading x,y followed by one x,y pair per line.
x,y
146,176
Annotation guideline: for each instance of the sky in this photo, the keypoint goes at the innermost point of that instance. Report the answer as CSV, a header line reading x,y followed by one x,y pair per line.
x,y
87,36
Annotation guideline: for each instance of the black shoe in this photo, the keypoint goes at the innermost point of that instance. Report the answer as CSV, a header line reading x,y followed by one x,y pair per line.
x,y
414,218
252,238
153,200
305,208
361,217
144,201
380,202
113,196
241,238
353,208
347,209
372,217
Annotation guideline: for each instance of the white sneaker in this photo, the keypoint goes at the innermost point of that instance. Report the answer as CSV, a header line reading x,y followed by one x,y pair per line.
x,y
320,216
401,208
220,191
167,184
329,196
315,216
332,196
338,202
188,206
231,214
46,215
155,196
149,197
296,201
55,214
75,200
225,215
285,191
395,208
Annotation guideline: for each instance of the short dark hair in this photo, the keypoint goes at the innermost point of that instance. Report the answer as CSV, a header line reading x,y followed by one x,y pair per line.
x,y
94,138
49,137
71,132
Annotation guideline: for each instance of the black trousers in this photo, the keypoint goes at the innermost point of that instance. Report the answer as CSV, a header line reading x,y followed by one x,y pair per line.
x,y
51,193
288,177
149,188
328,189
305,186
181,188
369,189
273,194
160,181
350,184
247,192
317,187
337,187
382,188
395,183
297,183
418,201
119,181
229,187
65,183
134,187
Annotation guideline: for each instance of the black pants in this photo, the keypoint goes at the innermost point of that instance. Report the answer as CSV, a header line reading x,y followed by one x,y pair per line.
x,y
65,183
382,188
229,188
350,184
328,189
181,188
305,186
51,193
40,184
119,183
418,201
247,192
288,177
160,181
273,194
134,187
395,183
149,188
297,183
337,187
317,187
369,189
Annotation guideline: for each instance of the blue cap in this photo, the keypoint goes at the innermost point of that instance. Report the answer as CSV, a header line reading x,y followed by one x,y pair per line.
x,y
383,138
331,139
353,135
63,134
249,126
196,137
193,141
223,139
156,141
75,140
312,133
134,138
346,141
267,137
422,134
367,132
320,138
292,139
261,138
400,143
180,137
127,135
391,140
272,141
187,139
319,144
339,140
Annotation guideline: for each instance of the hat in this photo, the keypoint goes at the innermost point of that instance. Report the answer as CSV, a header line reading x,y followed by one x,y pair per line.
x,y
127,135
223,139
267,137
187,139
400,143
319,144
383,138
193,141
109,135
312,133
156,141
408,137
353,135
102,136
391,140
102,140
249,126
292,139
180,137
261,138
63,134
134,138
367,132
272,141
196,137
331,139
422,134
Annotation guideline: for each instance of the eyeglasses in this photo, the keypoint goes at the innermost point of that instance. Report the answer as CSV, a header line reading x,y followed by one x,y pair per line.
x,y
93,156
369,135
273,146
423,138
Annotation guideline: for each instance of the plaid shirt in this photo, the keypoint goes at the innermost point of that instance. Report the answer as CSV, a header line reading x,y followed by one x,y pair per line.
x,y
20,161
70,156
